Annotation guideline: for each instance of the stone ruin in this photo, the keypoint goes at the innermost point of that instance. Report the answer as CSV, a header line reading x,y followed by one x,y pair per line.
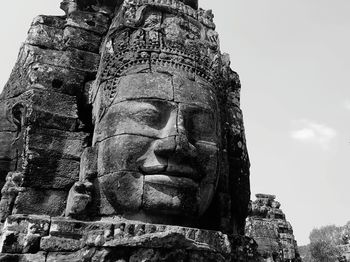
x,y
122,139
268,226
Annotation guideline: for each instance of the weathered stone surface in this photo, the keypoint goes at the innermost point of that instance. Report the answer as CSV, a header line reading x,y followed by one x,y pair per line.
x,y
73,59
159,114
9,193
89,232
190,91
88,164
144,118
110,241
51,21
128,149
6,123
38,257
67,144
117,187
45,37
90,21
29,56
47,202
156,85
51,158
6,151
50,171
56,78
22,234
59,244
48,109
164,194
268,226
81,39
6,166
59,39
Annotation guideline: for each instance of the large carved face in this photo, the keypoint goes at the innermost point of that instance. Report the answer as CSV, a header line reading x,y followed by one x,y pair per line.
x,y
158,147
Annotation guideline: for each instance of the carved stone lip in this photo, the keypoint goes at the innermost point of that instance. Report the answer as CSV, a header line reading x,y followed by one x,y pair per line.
x,y
166,180
172,170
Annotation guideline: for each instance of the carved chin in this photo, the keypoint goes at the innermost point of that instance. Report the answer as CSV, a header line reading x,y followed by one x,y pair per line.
x,y
132,192
170,195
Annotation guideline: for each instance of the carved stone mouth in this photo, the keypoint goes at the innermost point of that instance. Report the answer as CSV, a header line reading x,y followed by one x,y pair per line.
x,y
149,170
172,181
171,170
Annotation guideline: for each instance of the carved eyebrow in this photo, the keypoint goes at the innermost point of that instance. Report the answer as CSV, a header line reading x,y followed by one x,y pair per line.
x,y
137,106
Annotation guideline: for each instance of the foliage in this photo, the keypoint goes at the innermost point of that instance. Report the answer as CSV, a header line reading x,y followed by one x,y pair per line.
x,y
331,234
305,253
324,251
324,244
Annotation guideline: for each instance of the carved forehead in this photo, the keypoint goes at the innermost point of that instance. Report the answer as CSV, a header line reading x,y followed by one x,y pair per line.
x,y
177,88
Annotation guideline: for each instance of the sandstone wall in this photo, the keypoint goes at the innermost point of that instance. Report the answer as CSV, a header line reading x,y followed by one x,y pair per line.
x,y
268,226
44,109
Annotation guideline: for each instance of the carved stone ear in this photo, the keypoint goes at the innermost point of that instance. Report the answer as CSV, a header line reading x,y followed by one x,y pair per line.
x,y
18,116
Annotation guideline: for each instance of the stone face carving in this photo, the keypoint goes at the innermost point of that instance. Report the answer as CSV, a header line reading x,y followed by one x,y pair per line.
x,y
124,113
268,226
166,116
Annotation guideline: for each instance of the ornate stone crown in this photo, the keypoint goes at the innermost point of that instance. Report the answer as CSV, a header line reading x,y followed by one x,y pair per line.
x,y
139,37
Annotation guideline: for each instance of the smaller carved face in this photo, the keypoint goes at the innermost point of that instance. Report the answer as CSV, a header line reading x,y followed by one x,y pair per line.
x,y
158,147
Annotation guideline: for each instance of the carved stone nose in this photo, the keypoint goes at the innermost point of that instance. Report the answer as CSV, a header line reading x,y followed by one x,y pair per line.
x,y
177,146
165,147
183,146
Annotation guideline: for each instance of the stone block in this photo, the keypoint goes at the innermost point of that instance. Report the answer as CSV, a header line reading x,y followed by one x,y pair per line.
x,y
154,85
6,123
26,224
21,234
47,170
55,78
65,257
72,59
122,153
6,150
49,109
207,162
6,165
52,21
59,244
123,190
193,92
88,164
69,145
201,123
164,197
94,22
152,118
87,232
38,257
41,202
81,39
27,76
207,257
45,37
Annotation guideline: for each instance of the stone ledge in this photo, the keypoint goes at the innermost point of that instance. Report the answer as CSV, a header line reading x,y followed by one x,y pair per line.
x,y
30,237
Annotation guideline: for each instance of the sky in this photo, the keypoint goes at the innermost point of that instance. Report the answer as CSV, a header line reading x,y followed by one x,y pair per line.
x,y
293,57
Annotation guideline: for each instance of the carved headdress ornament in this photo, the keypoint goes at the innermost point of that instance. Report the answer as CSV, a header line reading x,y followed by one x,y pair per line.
x,y
150,34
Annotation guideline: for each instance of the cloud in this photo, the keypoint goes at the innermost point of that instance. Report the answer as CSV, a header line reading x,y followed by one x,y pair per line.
x,y
314,133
